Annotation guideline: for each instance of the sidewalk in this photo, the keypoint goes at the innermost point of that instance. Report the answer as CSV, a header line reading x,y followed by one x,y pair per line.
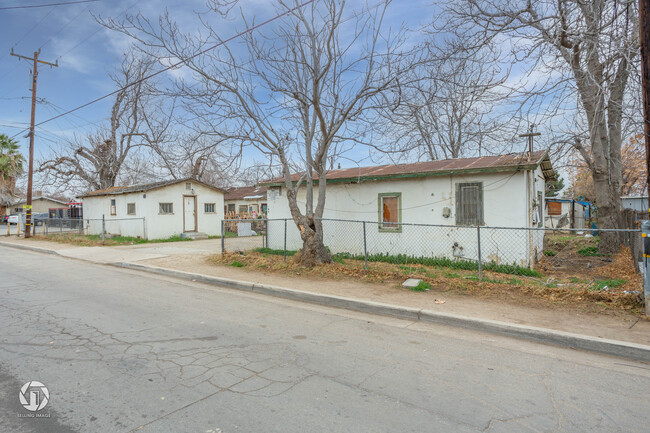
x,y
192,257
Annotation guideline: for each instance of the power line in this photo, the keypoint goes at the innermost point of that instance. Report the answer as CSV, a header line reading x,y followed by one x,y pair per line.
x,y
84,40
46,5
176,64
64,26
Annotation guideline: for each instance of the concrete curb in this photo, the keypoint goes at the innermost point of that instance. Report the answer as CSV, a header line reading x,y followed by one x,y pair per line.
x,y
617,348
29,248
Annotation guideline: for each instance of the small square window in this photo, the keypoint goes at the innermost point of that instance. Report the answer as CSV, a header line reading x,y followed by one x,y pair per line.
x,y
188,186
130,208
166,208
209,208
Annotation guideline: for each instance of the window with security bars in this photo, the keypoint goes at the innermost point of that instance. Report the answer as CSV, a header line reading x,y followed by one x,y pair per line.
x,y
469,204
209,207
130,208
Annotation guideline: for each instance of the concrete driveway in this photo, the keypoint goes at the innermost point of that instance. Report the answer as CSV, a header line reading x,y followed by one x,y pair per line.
x,y
137,252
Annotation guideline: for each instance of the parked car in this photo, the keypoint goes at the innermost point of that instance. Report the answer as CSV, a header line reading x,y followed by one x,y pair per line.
x,y
38,218
13,219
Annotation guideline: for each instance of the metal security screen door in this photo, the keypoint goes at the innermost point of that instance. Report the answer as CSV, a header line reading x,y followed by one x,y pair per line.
x,y
469,203
189,213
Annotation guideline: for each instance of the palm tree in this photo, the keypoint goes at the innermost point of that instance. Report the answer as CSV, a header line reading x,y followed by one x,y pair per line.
x,y
11,163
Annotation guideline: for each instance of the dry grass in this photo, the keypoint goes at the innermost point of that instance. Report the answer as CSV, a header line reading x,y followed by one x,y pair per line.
x,y
580,289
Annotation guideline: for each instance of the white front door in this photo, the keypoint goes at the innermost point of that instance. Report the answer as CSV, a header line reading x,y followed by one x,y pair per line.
x,y
189,213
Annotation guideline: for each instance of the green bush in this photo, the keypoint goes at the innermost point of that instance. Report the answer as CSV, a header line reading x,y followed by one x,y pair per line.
x,y
237,264
550,253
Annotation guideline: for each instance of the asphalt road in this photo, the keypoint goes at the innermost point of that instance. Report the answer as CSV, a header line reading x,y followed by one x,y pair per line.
x,y
121,351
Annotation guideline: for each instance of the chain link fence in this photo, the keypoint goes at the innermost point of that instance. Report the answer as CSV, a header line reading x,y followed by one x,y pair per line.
x,y
529,252
93,228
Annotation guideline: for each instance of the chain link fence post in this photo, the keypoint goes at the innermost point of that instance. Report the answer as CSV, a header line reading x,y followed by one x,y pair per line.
x,y
365,248
645,235
223,237
144,228
480,264
47,226
285,240
103,229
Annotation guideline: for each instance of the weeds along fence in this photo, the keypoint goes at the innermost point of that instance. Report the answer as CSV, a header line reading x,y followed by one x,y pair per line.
x,y
508,250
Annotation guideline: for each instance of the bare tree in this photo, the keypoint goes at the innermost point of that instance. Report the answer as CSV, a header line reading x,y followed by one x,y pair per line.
x,y
97,159
587,49
291,92
446,108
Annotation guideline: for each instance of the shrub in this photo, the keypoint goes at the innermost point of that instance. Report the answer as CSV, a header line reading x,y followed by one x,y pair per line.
x,y
237,264
550,253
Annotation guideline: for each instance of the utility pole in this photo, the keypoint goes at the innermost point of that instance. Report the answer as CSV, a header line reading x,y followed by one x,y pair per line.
x,y
28,207
644,39
530,134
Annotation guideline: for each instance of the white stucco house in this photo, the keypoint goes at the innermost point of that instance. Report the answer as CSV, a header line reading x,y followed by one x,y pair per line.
x,y
156,210
455,195
246,200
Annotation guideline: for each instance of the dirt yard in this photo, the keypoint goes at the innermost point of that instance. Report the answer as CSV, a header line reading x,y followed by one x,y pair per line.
x,y
573,276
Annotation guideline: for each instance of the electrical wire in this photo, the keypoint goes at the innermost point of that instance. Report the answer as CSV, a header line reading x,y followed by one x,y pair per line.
x,y
46,5
179,63
84,40
73,19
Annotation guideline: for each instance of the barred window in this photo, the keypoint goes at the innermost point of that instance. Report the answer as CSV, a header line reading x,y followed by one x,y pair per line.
x,y
469,204
166,208
130,208
209,208
113,207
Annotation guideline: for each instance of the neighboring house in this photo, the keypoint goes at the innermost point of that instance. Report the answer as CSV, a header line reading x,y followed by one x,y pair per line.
x,y
249,201
639,204
5,201
169,208
576,212
457,195
40,204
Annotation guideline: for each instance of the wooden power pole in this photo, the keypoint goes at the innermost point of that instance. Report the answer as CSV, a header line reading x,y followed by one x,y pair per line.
x,y
644,39
28,207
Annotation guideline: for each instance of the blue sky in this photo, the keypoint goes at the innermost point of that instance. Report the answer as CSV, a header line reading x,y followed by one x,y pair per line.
x,y
87,53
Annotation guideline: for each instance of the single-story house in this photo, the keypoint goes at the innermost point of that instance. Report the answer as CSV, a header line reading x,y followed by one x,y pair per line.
x,y
40,204
156,210
639,204
249,201
454,195
576,212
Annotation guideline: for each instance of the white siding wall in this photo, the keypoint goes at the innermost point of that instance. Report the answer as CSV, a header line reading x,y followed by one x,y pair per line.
x,y
158,226
423,201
